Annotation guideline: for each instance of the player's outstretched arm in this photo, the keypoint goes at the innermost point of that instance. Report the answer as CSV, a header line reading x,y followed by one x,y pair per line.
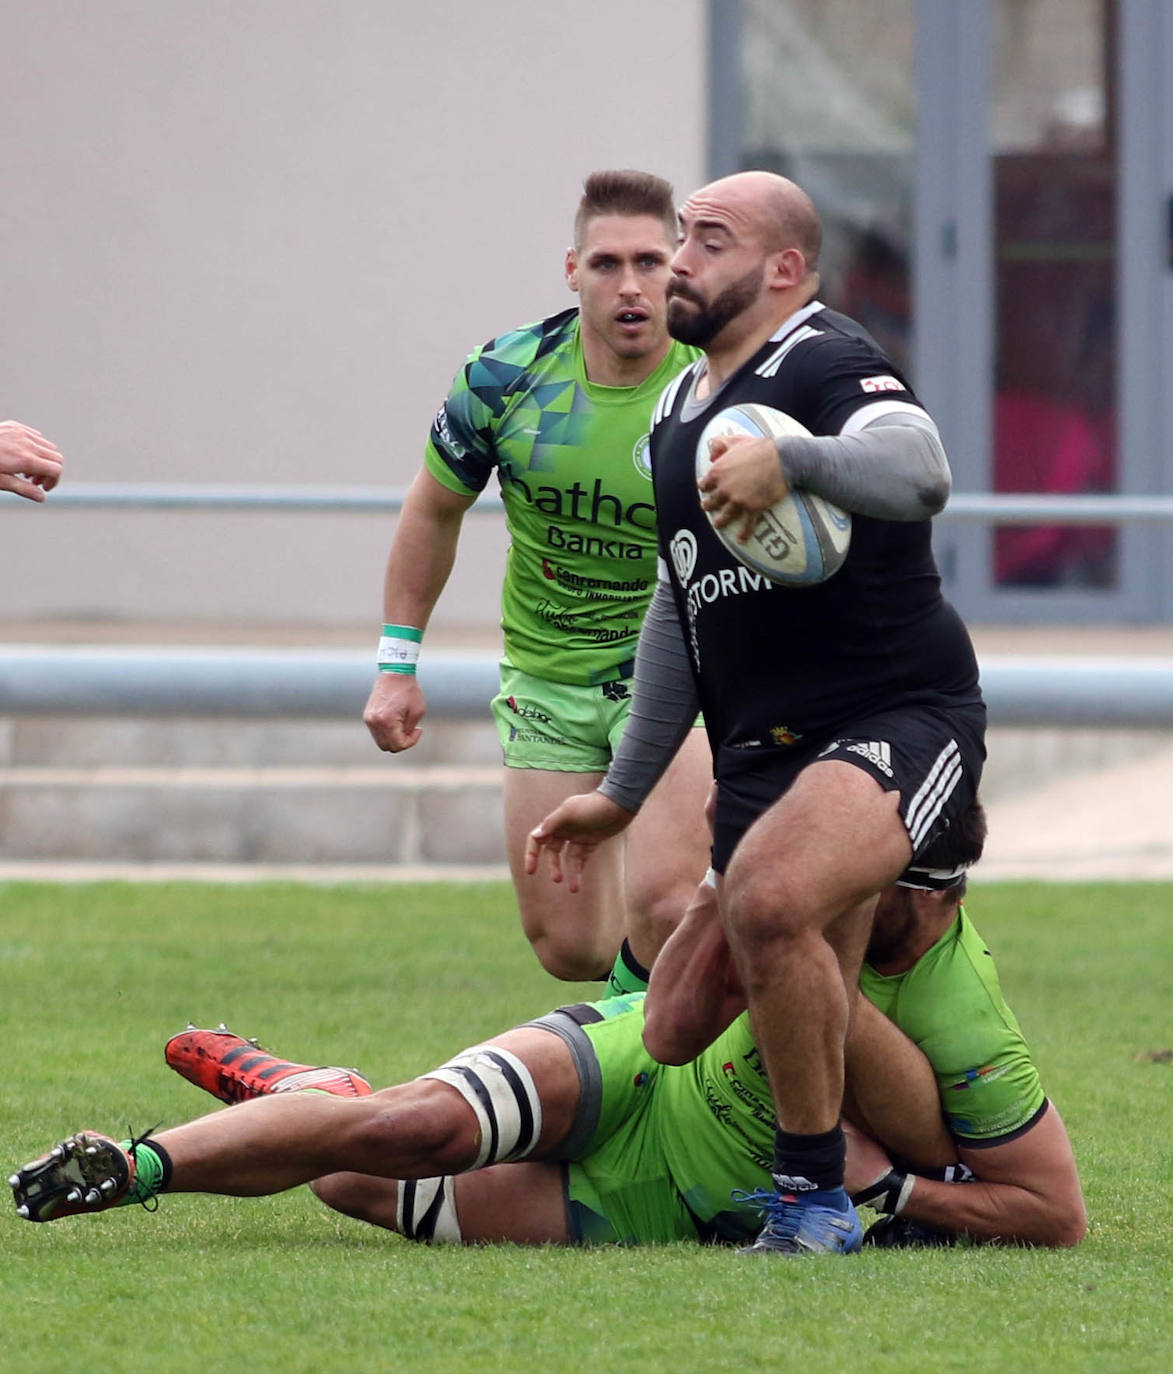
x,y
1026,1191
418,567
571,833
694,992
30,465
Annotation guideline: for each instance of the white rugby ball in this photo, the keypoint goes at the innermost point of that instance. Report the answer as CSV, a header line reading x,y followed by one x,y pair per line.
x,y
801,539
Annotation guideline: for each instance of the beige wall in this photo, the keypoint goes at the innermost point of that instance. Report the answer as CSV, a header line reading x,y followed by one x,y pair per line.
x,y
252,241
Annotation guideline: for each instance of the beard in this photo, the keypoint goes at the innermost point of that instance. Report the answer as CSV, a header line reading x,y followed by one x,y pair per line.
x,y
893,927
700,326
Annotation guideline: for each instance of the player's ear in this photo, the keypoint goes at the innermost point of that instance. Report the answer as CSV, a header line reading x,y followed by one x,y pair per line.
x,y
786,269
572,269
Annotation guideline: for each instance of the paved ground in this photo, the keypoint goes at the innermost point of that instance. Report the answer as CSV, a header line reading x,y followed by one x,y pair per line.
x,y
1113,822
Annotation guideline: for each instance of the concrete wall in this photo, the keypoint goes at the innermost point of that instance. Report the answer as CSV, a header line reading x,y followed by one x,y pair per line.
x,y
252,240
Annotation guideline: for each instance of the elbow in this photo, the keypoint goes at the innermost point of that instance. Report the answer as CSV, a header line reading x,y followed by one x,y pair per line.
x,y
666,1040
935,480
1061,1227
1070,1227
933,494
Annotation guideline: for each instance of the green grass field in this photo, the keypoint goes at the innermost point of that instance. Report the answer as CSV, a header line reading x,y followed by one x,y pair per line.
x,y
393,980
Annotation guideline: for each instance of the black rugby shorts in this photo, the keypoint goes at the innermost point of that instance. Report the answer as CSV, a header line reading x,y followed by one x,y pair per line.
x,y
931,755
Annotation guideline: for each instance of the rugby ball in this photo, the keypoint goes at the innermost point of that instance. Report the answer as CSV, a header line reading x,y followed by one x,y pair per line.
x,y
801,539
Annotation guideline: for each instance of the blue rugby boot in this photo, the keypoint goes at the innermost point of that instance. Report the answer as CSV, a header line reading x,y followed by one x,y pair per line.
x,y
823,1222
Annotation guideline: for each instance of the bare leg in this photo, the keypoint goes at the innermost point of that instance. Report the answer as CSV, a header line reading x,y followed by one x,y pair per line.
x,y
274,1143
576,935
420,1129
668,849
798,898
523,1203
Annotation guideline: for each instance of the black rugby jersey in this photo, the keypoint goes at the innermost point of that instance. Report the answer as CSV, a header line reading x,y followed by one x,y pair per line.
x,y
778,665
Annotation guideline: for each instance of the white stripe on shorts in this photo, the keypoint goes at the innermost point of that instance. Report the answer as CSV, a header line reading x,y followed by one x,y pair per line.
x,y
934,792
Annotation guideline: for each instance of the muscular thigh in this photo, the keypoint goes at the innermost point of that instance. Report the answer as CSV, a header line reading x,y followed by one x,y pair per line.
x,y
929,761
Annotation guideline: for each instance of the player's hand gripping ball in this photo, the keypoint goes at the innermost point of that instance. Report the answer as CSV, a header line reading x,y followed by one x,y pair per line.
x,y
801,539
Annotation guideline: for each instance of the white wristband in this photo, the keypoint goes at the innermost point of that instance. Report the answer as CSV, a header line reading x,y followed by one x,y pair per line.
x,y
399,649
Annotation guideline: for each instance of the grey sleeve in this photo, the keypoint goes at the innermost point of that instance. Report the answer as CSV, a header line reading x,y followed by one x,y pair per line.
x,y
663,706
893,469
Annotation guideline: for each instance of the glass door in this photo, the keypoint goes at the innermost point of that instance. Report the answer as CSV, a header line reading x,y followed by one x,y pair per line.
x,y
1022,217
996,183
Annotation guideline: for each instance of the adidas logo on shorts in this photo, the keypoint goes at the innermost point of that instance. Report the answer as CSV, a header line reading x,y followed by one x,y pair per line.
x,y
876,753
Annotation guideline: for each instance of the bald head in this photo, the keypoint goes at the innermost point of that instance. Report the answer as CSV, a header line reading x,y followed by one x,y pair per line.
x,y
782,212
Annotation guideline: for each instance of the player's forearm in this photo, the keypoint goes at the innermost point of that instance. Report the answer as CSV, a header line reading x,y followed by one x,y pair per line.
x,y
663,706
895,469
421,558
997,1211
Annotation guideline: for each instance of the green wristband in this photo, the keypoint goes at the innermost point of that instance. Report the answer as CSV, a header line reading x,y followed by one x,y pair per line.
x,y
399,649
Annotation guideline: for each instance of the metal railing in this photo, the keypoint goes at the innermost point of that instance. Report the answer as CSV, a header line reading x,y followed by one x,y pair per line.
x,y
163,681
1002,508
334,683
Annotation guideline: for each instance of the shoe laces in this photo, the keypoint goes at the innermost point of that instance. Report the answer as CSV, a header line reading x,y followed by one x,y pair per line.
x,y
132,1150
781,1213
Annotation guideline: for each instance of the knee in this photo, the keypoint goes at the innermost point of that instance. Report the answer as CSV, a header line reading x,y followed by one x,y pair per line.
x,y
655,912
1069,1227
759,909
570,957
350,1194
424,1123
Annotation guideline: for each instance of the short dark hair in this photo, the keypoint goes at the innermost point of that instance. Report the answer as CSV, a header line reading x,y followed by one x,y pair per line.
x,y
625,193
961,844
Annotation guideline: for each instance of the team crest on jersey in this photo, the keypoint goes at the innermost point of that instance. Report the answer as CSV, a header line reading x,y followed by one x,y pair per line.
x,y
784,735
641,456
683,551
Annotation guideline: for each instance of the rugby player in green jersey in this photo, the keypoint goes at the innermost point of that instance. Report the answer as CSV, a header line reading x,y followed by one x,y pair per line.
x,y
607,1145
560,410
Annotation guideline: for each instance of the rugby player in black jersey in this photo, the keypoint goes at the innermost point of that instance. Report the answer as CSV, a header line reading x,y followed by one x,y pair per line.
x,y
845,719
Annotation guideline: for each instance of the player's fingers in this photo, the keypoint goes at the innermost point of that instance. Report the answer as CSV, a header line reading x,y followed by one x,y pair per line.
x,y
43,448
537,841
746,526
576,857
21,487
36,462
725,514
378,730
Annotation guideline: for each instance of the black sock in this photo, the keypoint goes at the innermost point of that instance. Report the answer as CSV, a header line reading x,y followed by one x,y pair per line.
x,y
803,1163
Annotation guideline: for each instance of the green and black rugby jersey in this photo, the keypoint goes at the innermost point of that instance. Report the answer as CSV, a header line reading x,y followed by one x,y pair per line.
x,y
571,458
